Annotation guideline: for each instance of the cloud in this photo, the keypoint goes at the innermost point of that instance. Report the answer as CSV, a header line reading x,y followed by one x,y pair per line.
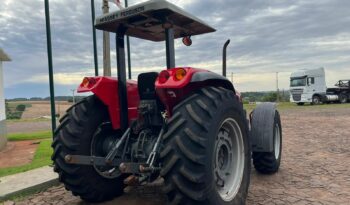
x,y
266,37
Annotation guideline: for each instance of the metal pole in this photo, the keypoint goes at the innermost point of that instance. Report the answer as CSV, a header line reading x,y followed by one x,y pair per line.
x,y
170,49
277,87
106,46
128,48
49,57
73,92
94,36
232,77
122,90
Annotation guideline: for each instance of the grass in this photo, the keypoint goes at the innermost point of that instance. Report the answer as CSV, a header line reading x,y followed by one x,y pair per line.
x,y
288,105
42,157
27,120
29,136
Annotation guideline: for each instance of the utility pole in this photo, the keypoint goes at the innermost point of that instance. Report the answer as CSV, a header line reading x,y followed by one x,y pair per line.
x,y
73,92
232,77
278,92
106,45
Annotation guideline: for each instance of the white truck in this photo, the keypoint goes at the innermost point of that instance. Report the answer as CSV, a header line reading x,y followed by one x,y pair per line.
x,y
309,86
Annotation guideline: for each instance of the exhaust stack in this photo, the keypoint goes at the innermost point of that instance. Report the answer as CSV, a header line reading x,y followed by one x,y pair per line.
x,y
224,57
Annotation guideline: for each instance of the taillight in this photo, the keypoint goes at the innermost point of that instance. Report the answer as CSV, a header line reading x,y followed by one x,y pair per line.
x,y
179,74
163,76
87,82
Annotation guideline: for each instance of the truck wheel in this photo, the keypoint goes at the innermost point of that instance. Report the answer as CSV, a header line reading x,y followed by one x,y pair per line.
x,y
84,130
269,162
206,155
316,100
343,99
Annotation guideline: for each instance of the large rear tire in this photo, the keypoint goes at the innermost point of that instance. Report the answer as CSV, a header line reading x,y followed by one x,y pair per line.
x,y
74,136
206,155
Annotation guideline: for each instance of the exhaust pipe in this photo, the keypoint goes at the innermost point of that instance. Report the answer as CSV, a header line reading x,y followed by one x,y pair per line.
x,y
224,57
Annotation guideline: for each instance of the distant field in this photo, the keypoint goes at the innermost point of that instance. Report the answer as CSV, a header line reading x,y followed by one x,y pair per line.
x,y
38,109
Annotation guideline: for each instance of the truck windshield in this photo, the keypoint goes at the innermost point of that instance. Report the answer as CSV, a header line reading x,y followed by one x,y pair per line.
x,y
297,82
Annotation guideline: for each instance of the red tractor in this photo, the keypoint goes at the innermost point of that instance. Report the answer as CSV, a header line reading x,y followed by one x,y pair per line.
x,y
184,125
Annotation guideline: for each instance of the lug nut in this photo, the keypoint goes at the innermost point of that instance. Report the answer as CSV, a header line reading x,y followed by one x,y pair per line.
x,y
68,158
122,167
142,168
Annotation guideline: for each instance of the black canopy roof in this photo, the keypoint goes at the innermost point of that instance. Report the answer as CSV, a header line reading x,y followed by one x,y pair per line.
x,y
149,19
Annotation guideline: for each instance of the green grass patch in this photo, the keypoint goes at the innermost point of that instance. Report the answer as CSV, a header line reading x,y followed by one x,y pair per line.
x,y
29,136
42,157
27,120
288,105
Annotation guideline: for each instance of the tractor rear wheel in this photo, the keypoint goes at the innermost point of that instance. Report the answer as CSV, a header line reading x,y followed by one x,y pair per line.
x,y
206,155
84,131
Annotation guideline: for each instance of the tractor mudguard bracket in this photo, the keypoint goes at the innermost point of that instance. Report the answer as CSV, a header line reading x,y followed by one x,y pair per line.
x,y
262,127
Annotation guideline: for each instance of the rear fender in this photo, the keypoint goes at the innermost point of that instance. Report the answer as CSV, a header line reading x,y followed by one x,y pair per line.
x,y
174,91
106,89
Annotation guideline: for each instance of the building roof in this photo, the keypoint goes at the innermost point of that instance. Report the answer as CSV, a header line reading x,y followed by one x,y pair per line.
x,y
4,56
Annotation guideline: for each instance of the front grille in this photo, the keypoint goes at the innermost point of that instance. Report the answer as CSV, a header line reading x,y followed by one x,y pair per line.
x,y
296,94
296,97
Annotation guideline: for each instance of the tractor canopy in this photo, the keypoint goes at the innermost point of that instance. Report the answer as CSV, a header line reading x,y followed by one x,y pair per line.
x,y
149,20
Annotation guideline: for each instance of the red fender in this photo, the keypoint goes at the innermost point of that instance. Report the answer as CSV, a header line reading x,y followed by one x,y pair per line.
x,y
172,91
106,89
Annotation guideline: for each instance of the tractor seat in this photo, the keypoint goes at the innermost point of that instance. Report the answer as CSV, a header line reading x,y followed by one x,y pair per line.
x,y
146,87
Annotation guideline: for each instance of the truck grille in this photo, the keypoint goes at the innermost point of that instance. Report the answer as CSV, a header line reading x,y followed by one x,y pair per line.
x,y
296,97
296,94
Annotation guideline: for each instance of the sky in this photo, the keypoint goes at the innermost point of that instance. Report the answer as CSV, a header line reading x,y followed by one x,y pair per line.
x,y
266,37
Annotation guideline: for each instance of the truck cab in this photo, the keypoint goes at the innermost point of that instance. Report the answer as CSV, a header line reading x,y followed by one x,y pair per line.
x,y
308,86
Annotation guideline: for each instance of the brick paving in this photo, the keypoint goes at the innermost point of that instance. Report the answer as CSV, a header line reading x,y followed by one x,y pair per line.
x,y
315,166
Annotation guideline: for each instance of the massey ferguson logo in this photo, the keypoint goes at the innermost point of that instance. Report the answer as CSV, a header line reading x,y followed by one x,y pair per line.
x,y
125,13
132,11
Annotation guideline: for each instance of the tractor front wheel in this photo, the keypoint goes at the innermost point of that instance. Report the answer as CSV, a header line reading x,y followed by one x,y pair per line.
x,y
206,155
269,162
85,130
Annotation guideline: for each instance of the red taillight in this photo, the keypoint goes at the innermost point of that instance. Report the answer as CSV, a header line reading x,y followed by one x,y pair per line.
x,y
87,82
163,76
179,74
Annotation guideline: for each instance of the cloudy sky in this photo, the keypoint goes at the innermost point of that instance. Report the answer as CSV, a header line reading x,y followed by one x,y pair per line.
x,y
267,36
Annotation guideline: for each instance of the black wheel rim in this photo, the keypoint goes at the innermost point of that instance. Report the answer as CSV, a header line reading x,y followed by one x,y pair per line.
x,y
103,139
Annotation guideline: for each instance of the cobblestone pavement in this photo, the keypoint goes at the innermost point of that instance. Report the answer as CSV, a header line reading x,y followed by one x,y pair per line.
x,y
315,166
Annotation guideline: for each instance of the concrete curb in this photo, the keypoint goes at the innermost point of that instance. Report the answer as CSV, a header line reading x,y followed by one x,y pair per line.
x,y
27,183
